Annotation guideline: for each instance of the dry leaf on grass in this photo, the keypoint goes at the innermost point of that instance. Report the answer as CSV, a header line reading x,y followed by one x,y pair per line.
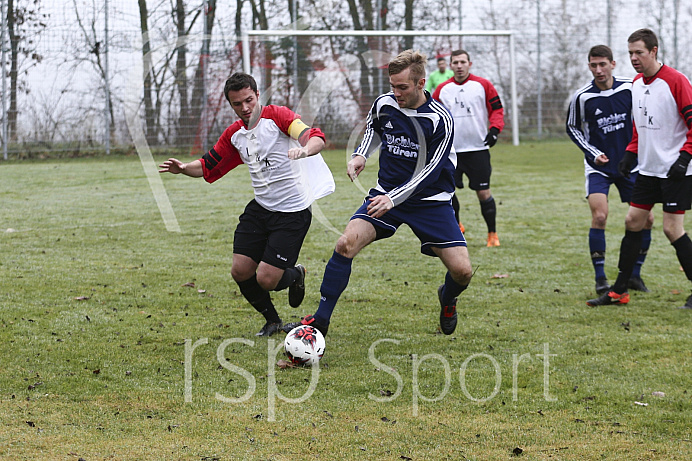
x,y
285,364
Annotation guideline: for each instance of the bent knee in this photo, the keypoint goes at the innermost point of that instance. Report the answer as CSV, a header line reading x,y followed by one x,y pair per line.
x,y
266,280
462,274
345,246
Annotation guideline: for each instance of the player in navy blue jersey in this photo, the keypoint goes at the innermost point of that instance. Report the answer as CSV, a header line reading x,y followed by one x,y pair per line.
x,y
413,134
599,121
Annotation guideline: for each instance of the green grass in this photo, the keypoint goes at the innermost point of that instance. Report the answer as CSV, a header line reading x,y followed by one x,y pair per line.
x,y
94,318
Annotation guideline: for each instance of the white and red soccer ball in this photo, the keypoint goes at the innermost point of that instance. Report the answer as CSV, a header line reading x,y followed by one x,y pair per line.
x,y
304,345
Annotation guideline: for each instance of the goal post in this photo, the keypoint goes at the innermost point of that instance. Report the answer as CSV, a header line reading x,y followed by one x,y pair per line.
x,y
249,35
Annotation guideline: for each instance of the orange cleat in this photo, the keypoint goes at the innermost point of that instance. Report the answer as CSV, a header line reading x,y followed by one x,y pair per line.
x,y
609,298
462,228
493,240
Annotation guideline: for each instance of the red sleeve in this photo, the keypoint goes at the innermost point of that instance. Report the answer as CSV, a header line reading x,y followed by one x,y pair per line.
x,y
633,146
290,124
682,92
496,113
223,157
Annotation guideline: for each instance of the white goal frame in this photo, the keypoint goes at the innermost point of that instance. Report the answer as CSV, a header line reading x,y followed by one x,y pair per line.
x,y
245,40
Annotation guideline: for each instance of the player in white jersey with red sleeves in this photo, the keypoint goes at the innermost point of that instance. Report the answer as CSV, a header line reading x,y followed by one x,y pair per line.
x,y
478,120
662,143
273,142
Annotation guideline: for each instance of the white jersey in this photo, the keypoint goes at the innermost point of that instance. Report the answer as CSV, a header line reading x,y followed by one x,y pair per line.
x,y
662,110
280,184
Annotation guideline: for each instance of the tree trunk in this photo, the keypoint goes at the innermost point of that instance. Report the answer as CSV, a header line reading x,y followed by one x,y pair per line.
x,y
408,21
149,115
180,74
14,55
260,13
197,102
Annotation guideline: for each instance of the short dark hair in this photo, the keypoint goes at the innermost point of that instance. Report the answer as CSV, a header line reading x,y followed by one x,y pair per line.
x,y
459,53
645,35
601,51
415,60
441,58
239,81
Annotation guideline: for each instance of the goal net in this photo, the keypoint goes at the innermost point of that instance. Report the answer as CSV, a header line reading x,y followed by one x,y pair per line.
x,y
331,78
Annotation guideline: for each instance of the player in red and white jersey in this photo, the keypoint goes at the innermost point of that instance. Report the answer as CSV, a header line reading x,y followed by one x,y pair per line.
x,y
287,174
478,120
662,143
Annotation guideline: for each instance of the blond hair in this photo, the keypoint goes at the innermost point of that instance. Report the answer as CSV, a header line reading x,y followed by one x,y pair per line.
x,y
409,59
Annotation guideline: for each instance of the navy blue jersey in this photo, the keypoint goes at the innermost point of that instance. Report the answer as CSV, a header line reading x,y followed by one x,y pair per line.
x,y
417,160
600,122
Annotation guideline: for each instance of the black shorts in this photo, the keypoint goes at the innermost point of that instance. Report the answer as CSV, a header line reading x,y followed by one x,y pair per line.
x,y
274,237
476,166
674,194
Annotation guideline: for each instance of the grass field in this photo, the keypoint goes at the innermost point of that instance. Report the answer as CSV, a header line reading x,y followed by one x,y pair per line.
x,y
98,316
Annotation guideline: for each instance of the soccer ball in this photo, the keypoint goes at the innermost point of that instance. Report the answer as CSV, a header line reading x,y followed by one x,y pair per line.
x,y
304,345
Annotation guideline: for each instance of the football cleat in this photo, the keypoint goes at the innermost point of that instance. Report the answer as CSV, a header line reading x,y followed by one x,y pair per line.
x,y
296,292
688,304
448,314
602,286
493,240
462,228
609,298
269,329
307,320
637,284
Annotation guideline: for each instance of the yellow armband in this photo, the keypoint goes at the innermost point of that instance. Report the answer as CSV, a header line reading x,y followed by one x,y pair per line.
x,y
297,128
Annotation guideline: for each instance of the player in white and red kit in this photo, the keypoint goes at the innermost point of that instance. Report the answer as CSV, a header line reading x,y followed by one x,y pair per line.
x,y
478,120
270,140
662,143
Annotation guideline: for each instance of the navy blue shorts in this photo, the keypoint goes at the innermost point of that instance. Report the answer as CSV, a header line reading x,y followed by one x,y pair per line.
x,y
433,223
271,236
598,184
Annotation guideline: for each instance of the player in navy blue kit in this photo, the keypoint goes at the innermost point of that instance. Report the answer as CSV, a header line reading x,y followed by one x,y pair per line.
x,y
414,135
599,121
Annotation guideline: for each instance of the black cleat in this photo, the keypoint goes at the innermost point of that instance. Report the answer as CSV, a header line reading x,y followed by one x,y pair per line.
x,y
609,298
688,304
602,286
296,292
637,284
269,329
448,314
307,320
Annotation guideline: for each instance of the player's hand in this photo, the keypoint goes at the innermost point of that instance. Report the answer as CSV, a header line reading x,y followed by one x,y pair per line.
x,y
172,165
379,205
627,163
491,138
679,169
295,153
601,159
355,166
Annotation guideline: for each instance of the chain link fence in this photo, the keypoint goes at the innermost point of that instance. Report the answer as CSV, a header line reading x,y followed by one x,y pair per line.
x,y
67,62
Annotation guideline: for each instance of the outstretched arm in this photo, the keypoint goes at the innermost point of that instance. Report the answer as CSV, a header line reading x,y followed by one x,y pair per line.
x,y
175,166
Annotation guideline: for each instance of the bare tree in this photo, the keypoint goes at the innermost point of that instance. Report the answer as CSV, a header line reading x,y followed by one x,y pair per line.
x,y
87,23
149,114
24,23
